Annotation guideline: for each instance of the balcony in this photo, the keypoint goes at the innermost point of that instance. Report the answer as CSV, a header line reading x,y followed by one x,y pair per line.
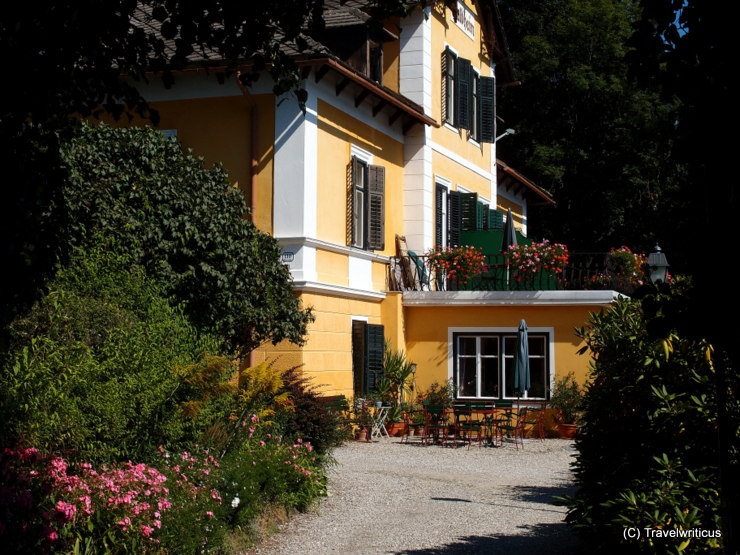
x,y
583,271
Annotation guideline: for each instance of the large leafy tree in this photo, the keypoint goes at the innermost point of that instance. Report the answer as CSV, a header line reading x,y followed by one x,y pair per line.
x,y
584,130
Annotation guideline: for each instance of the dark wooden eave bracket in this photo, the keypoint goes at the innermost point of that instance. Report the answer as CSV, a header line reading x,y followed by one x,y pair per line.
x,y
414,113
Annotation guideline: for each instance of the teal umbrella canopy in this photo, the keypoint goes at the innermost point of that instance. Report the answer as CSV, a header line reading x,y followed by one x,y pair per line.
x,y
522,381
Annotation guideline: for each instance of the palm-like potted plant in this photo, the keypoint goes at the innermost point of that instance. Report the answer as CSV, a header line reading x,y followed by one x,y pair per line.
x,y
566,401
398,375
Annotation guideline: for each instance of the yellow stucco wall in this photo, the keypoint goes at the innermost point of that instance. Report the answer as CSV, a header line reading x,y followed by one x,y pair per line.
x,y
427,334
332,267
516,210
327,355
460,176
337,132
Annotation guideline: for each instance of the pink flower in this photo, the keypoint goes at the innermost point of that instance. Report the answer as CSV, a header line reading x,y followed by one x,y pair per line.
x,y
146,531
210,514
65,511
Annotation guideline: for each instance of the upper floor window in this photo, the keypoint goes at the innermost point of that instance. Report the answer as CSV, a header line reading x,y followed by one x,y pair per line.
x,y
367,205
468,100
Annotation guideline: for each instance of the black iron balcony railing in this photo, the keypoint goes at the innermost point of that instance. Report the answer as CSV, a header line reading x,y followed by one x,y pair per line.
x,y
416,273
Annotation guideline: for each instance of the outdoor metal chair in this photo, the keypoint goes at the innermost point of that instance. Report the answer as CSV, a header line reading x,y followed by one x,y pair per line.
x,y
514,427
535,418
435,424
472,420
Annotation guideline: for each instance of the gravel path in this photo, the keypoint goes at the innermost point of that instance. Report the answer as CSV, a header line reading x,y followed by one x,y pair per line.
x,y
389,497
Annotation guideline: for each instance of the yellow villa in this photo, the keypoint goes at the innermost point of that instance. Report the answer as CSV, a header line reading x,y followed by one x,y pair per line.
x,y
394,155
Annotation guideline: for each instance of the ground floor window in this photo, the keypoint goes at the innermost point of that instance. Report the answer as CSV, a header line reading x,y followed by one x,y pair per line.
x,y
484,365
367,356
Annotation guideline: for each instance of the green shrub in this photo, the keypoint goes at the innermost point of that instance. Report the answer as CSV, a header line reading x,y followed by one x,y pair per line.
x,y
647,446
566,399
186,226
99,368
306,416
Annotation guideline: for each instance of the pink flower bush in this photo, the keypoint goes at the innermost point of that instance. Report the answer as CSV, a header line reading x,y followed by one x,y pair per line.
x,y
118,502
625,271
528,260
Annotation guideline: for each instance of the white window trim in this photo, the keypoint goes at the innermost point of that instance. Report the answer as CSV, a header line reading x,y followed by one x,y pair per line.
x,y
550,331
361,154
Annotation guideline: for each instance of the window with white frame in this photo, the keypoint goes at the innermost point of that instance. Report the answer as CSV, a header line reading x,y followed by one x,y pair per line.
x,y
468,99
366,204
484,365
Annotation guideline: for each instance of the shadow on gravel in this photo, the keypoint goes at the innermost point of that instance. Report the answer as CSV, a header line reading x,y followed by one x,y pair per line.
x,y
549,539
541,494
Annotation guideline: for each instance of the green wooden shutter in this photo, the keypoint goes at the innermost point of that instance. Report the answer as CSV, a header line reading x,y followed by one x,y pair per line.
x,y
358,356
481,216
487,109
445,93
376,207
374,342
469,211
463,94
495,219
454,218
438,199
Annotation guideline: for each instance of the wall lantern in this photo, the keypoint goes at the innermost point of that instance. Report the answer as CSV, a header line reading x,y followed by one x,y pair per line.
x,y
658,264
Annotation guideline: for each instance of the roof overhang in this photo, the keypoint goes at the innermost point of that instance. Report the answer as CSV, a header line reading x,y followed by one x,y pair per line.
x,y
397,105
514,182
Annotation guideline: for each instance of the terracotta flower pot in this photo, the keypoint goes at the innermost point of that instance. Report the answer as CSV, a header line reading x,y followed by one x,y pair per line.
x,y
567,431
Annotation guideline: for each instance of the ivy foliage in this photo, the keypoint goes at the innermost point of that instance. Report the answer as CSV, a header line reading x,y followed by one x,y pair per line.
x,y
101,368
648,445
185,225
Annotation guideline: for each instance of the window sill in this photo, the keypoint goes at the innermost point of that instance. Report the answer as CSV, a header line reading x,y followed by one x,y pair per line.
x,y
452,128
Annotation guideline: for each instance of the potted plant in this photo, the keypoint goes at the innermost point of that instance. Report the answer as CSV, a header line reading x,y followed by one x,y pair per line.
x,y
440,394
416,422
399,373
361,419
625,272
394,421
566,401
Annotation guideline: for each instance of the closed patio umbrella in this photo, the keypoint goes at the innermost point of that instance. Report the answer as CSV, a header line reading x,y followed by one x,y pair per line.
x,y
509,233
522,381
508,240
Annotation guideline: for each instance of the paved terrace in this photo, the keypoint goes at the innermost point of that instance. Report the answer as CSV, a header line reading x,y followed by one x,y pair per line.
x,y
389,497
